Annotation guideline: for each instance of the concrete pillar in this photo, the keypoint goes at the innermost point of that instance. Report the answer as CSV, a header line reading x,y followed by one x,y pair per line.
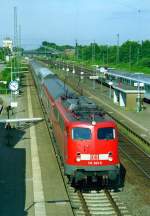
x,y
121,100
115,97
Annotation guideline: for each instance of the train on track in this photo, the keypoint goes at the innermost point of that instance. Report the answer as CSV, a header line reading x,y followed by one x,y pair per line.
x,y
87,140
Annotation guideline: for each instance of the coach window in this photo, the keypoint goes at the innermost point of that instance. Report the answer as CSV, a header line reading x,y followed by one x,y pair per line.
x,y
106,133
56,113
61,121
81,133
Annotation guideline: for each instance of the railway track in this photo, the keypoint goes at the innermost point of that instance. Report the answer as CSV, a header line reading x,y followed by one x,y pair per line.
x,y
94,202
138,157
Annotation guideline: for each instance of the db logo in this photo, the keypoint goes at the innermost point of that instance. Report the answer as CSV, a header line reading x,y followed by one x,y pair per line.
x,y
94,157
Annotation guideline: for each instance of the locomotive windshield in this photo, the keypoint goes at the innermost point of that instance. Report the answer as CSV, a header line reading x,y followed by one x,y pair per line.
x,y
106,133
81,133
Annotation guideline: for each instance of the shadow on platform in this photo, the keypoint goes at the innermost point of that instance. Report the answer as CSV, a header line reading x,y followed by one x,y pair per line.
x,y
12,175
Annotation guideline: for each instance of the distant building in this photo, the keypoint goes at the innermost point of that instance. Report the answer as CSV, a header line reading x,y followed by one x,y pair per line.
x,y
69,52
7,43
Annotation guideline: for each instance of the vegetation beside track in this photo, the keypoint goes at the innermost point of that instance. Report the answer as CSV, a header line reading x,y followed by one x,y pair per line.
x,y
132,56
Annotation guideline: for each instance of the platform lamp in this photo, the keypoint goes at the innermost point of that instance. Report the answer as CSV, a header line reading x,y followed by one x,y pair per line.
x,y
73,71
81,75
110,85
67,70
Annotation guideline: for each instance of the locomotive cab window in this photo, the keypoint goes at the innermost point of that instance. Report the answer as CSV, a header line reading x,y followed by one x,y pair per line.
x,y
106,133
79,133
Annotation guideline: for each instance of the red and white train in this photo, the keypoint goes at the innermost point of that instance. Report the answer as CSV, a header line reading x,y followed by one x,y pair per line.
x,y
87,140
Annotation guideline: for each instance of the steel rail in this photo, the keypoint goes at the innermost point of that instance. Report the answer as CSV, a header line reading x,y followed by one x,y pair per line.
x,y
84,204
115,206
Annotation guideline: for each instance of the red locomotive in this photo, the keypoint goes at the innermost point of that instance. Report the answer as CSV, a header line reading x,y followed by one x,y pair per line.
x,y
87,140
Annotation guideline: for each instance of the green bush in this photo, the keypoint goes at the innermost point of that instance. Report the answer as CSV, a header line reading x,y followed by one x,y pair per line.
x,y
145,62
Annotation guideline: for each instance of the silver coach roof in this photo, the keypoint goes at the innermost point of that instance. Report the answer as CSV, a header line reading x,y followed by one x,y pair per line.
x,y
44,72
41,71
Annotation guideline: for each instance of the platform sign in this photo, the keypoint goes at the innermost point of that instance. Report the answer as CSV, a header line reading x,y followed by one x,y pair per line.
x,y
13,104
15,92
94,77
110,83
139,84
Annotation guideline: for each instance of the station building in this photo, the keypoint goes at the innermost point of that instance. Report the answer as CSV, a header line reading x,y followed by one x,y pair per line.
x,y
8,43
128,97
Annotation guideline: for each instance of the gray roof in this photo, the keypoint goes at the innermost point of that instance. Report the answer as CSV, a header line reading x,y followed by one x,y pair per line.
x,y
44,72
137,77
41,71
56,87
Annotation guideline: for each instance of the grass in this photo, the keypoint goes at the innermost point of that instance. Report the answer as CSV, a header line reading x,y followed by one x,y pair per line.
x,y
133,68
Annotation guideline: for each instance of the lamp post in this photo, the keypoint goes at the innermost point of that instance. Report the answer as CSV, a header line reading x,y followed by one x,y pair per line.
x,y
93,83
139,31
67,70
110,85
138,102
73,71
82,75
103,72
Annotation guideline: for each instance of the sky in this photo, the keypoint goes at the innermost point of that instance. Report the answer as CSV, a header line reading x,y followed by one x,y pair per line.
x,y
64,21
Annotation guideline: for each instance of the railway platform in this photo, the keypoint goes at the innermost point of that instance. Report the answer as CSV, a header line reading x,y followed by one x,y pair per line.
x,y
137,121
31,182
